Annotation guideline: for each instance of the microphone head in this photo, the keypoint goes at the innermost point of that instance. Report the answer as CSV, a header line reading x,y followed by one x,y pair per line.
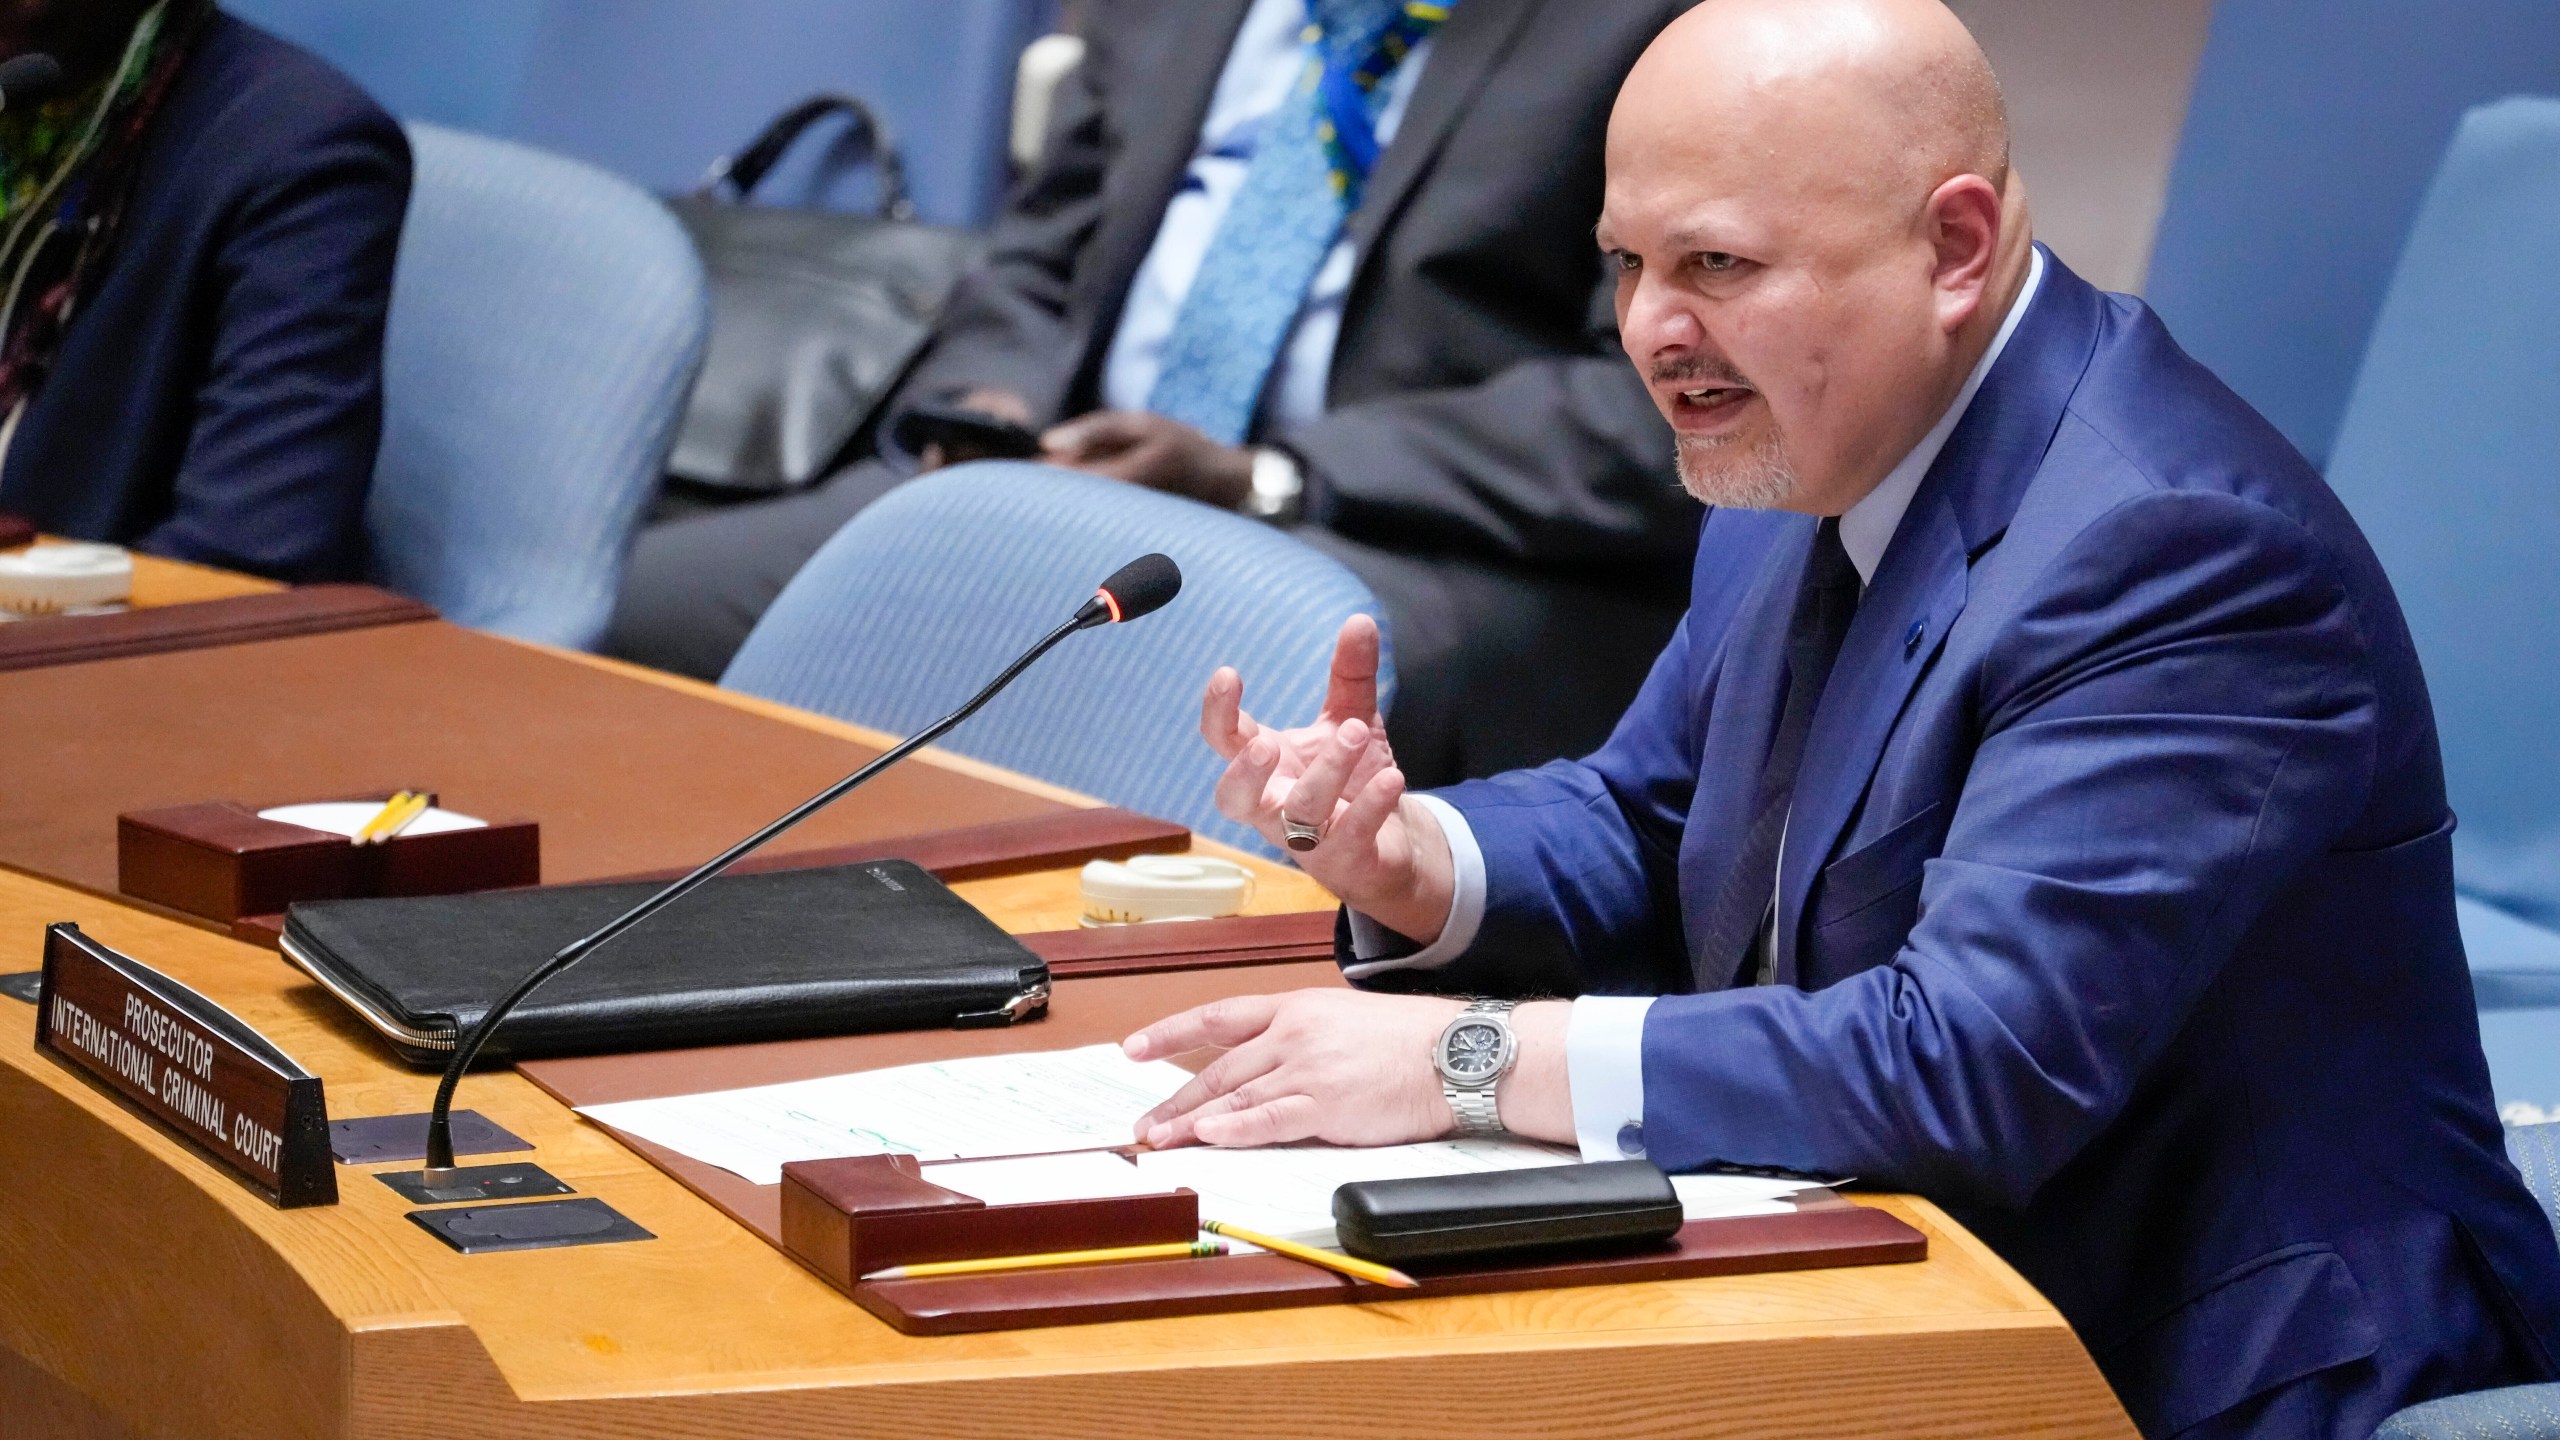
x,y
27,79
1140,587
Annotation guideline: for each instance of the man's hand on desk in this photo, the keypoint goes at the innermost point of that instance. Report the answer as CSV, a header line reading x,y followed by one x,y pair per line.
x,y
1342,1067
1381,851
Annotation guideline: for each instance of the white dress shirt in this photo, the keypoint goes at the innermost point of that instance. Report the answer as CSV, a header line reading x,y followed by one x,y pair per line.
x,y
1604,1037
1268,57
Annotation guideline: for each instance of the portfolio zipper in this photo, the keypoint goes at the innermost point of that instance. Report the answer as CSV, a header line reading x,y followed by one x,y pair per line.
x,y
423,1039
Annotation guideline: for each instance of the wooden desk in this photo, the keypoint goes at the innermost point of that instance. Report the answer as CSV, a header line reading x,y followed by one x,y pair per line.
x,y
175,582
143,1293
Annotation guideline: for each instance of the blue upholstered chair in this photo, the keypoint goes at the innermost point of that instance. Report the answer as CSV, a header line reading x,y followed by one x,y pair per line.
x,y
2448,457
2310,136
2521,1412
922,597
546,319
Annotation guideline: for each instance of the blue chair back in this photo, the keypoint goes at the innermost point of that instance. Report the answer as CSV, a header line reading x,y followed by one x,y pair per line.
x,y
2536,1151
2311,134
926,594
2450,459
546,319
654,89
2447,457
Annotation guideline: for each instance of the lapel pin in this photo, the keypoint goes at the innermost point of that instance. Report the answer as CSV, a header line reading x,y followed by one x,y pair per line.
x,y
1911,637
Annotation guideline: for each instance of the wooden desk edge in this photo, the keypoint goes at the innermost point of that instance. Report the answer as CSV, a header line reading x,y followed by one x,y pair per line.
x,y
402,1368
412,1381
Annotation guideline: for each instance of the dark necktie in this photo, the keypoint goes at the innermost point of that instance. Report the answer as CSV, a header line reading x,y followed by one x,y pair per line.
x,y
1825,602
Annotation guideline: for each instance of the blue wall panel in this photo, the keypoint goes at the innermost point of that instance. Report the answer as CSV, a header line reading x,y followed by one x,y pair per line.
x,y
654,89
454,62
2313,131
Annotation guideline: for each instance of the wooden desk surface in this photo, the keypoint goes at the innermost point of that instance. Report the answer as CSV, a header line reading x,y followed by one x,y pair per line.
x,y
175,582
142,1292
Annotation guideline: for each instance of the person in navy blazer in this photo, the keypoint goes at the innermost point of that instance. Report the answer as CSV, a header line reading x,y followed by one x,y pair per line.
x,y
2110,904
216,393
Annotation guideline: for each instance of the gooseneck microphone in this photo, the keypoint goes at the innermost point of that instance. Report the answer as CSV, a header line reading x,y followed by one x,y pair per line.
x,y
28,79
1140,587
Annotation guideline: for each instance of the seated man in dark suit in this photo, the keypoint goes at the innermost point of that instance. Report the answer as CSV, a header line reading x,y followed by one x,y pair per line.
x,y
198,233
2039,807
1395,339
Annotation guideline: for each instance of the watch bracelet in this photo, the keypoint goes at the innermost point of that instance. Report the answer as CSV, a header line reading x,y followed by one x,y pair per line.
x,y
1479,1108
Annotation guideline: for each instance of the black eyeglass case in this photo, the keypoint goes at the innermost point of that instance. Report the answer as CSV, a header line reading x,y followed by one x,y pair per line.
x,y
1621,1204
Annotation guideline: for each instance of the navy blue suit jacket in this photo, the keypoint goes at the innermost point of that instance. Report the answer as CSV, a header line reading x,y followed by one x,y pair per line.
x,y
218,396
2117,902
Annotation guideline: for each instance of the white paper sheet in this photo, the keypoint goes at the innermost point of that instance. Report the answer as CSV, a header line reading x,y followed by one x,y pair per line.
x,y
1076,1175
1720,1197
985,1105
346,817
1287,1190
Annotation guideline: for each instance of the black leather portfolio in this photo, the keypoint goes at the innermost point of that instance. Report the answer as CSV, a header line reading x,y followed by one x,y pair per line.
x,y
876,946
1627,1204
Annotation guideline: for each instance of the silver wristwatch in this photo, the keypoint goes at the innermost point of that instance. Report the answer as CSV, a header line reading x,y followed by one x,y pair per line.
x,y
1279,492
1476,1050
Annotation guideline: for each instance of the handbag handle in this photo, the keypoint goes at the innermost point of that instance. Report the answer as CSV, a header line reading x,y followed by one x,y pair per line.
x,y
747,167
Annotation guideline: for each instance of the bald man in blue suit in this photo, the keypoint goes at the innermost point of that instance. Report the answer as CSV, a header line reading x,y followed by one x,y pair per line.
x,y
2039,807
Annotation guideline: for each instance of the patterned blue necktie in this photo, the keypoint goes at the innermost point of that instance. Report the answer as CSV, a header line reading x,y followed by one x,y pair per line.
x,y
1305,181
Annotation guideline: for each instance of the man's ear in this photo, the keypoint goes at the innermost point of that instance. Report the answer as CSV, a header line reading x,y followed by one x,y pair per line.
x,y
1963,218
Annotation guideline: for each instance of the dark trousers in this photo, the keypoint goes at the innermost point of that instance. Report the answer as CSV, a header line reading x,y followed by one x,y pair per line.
x,y
1495,668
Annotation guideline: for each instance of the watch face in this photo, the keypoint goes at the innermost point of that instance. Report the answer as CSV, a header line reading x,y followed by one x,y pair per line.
x,y
1474,1051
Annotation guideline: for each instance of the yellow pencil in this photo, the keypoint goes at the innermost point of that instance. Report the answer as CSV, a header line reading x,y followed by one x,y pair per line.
x,y
1341,1264
366,832
1175,1250
418,805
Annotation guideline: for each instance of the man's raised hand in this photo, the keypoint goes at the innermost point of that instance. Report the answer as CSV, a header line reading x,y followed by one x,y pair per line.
x,y
1381,853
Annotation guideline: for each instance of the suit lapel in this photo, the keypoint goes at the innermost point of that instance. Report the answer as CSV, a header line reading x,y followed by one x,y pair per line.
x,y
1749,682
1960,509
1918,591
1463,53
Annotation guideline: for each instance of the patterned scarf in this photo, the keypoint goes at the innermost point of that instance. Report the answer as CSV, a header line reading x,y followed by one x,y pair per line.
x,y
66,172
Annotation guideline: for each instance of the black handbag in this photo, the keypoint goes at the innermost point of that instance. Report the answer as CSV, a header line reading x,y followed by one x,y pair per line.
x,y
815,315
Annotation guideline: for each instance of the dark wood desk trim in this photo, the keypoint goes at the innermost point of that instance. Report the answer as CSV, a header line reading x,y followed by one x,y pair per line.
x,y
307,610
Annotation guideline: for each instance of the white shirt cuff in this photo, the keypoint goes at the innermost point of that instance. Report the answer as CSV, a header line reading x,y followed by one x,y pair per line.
x,y
1466,907
1604,1068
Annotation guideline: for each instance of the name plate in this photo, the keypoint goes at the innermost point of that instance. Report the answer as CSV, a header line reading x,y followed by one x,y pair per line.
x,y
187,1065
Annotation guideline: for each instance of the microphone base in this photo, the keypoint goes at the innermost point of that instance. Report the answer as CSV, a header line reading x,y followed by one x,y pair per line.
x,y
517,1181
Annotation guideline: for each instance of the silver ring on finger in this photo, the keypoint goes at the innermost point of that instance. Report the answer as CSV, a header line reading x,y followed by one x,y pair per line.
x,y
1301,835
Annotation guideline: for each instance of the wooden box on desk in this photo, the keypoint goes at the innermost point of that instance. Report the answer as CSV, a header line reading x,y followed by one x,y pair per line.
x,y
858,1216
219,860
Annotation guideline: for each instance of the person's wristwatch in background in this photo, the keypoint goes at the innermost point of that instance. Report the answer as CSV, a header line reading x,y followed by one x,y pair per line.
x,y
1279,492
1476,1049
